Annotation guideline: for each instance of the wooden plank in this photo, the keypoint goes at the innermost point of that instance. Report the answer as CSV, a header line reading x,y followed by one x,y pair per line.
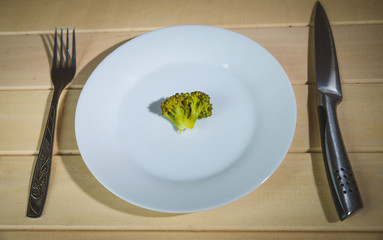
x,y
33,54
295,198
25,59
189,235
359,115
23,116
87,15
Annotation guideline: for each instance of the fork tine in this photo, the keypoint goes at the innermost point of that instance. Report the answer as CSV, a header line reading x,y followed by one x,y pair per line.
x,y
61,49
67,47
74,50
54,60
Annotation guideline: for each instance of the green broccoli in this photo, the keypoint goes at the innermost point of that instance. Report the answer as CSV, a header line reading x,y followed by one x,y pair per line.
x,y
184,109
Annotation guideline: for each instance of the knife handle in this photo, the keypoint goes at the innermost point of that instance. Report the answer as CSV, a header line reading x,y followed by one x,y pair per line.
x,y
339,172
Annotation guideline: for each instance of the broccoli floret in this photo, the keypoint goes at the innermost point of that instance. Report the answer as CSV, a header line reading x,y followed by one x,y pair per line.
x,y
184,109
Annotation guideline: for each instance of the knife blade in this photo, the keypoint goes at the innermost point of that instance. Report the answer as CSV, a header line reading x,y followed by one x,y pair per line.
x,y
343,186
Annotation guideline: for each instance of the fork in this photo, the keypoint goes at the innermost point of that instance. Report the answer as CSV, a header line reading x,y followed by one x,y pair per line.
x,y
61,74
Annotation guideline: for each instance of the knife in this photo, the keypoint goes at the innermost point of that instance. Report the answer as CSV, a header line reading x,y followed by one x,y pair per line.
x,y
343,186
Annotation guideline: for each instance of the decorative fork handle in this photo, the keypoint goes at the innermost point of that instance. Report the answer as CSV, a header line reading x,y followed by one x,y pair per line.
x,y
40,179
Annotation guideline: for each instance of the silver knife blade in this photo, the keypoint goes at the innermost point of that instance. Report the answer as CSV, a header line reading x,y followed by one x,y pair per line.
x,y
339,172
327,72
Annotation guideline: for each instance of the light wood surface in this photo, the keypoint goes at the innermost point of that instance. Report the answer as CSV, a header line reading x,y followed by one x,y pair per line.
x,y
126,15
296,196
294,203
360,117
358,63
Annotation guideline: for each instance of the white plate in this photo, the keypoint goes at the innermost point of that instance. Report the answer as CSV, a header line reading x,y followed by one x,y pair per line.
x,y
138,155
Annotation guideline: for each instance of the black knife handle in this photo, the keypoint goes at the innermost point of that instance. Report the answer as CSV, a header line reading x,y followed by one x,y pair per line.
x,y
340,176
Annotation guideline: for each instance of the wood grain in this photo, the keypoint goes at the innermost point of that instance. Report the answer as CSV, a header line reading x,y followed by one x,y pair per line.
x,y
188,235
294,203
301,201
23,116
120,15
25,59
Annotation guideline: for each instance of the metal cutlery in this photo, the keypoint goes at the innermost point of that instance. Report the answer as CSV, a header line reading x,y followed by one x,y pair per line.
x,y
340,175
61,74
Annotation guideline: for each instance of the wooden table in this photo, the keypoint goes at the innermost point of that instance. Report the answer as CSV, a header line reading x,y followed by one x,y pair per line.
x,y
295,203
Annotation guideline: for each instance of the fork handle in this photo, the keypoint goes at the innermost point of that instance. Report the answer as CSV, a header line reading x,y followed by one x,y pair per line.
x,y
40,179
